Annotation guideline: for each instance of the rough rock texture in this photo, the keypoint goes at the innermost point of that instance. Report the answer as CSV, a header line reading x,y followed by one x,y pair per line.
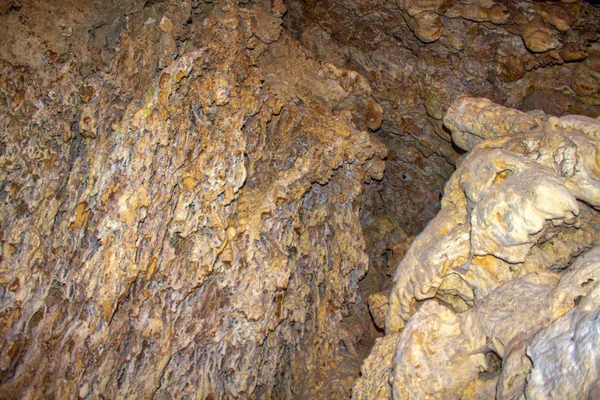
x,y
194,200
419,56
569,344
498,295
180,187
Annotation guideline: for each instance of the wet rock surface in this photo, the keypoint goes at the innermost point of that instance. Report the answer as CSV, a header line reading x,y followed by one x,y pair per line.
x,y
221,199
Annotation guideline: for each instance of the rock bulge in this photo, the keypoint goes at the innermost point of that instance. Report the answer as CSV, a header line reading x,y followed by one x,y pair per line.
x,y
511,260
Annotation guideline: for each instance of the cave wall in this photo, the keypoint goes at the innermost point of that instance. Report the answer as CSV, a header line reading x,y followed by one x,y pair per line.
x,y
419,57
498,296
204,198
180,203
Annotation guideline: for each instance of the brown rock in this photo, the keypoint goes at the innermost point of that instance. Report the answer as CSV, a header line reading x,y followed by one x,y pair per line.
x,y
259,170
538,38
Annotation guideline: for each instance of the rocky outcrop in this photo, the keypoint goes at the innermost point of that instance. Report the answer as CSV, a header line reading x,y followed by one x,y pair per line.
x,y
419,56
180,186
210,198
510,264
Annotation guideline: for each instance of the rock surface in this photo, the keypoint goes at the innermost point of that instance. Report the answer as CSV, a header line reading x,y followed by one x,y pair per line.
x,y
180,188
418,57
497,296
210,198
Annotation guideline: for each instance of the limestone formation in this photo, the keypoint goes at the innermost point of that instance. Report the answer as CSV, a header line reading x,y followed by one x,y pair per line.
x,y
181,186
419,57
223,199
509,265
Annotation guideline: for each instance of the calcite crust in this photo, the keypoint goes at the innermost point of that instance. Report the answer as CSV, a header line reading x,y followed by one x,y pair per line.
x,y
299,199
498,294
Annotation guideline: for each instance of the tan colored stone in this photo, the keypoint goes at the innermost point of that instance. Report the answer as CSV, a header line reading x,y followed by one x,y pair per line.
x,y
378,304
538,38
428,27
493,212
166,25
376,371
207,243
